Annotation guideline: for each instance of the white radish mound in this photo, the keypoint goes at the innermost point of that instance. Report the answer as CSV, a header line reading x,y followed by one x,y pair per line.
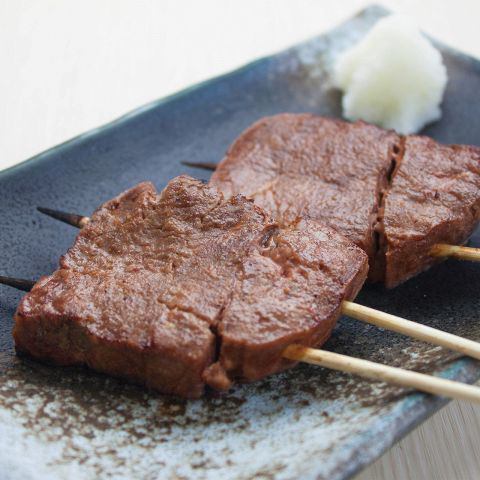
x,y
394,77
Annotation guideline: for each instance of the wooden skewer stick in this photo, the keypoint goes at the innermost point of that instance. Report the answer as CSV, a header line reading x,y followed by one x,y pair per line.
x,y
456,251
384,373
344,363
412,329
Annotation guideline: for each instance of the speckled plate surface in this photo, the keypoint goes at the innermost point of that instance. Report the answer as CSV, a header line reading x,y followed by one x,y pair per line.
x,y
307,423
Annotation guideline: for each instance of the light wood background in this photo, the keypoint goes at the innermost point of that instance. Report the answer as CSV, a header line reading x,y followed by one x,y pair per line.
x,y
66,67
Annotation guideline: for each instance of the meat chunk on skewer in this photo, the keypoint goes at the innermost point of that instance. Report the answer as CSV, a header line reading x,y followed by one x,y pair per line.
x,y
434,198
304,165
395,197
185,288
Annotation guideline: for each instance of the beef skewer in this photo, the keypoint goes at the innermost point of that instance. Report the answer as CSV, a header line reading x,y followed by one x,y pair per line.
x,y
353,310
401,199
185,289
364,314
406,201
356,311
363,368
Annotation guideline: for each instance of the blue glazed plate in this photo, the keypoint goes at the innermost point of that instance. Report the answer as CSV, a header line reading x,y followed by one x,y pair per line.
x,y
305,423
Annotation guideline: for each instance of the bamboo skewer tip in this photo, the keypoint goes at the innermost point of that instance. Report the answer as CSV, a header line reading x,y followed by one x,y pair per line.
x,y
18,283
73,219
203,165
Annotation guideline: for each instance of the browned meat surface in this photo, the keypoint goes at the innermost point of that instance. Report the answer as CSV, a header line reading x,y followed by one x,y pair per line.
x,y
288,292
434,198
351,175
304,165
185,288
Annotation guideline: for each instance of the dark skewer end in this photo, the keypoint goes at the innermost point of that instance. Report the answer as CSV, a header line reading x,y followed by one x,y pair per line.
x,y
73,219
203,165
19,283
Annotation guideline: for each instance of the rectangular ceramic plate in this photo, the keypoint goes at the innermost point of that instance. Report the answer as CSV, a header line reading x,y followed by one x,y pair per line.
x,y
306,423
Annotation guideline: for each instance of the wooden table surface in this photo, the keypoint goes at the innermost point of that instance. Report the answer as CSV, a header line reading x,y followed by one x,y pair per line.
x,y
69,66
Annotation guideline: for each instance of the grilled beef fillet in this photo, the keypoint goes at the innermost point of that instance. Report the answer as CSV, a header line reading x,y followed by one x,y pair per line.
x,y
304,165
392,196
182,288
434,198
